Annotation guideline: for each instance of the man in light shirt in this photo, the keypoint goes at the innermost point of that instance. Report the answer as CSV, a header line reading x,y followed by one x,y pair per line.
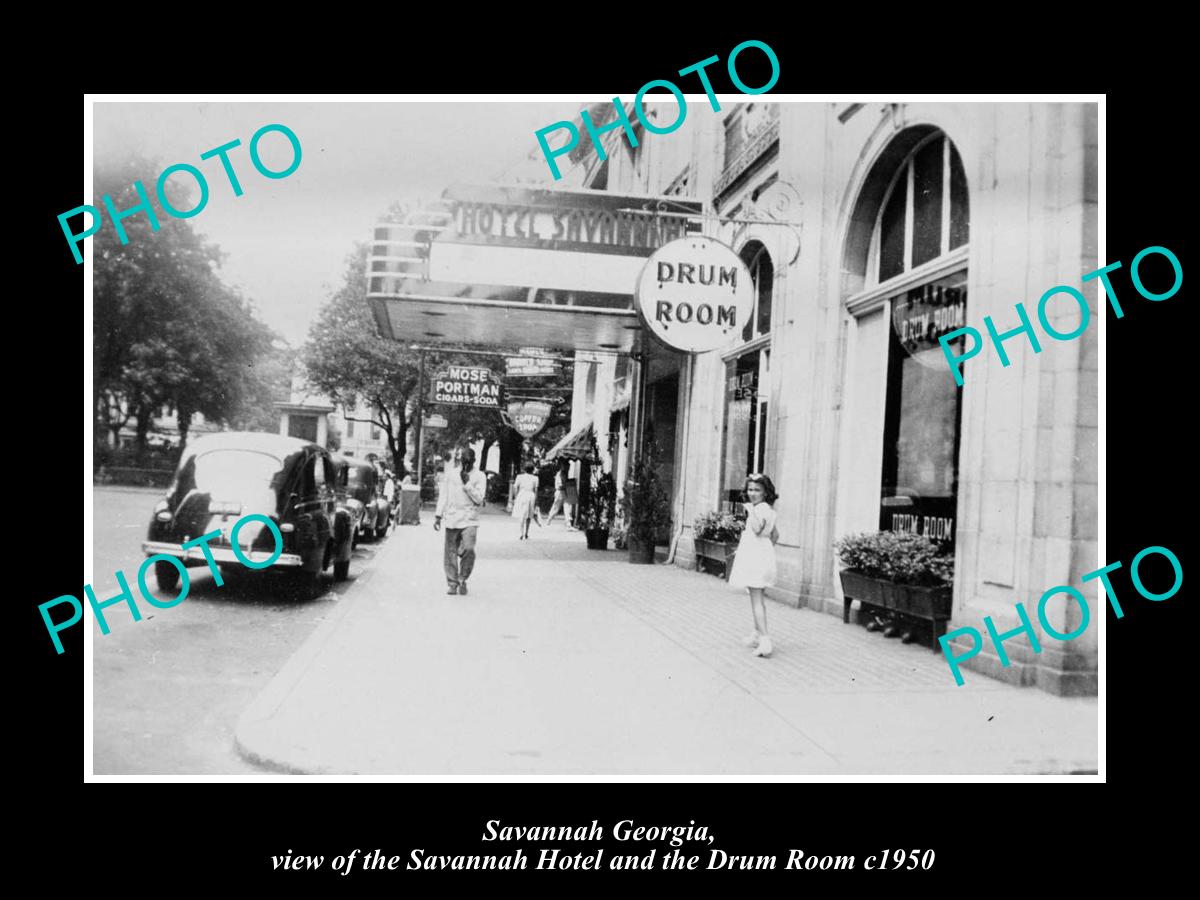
x,y
463,492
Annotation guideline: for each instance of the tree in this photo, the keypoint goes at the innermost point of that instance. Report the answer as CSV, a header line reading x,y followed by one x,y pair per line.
x,y
167,331
346,359
264,381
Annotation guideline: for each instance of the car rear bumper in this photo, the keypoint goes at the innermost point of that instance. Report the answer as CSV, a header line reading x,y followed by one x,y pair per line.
x,y
219,554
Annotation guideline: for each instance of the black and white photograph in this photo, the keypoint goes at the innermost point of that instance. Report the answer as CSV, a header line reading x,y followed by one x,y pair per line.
x,y
696,436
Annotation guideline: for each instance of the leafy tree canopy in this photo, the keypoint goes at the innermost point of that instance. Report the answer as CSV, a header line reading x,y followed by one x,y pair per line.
x,y
167,331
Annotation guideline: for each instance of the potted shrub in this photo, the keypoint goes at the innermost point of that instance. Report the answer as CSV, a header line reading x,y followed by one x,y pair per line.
x,y
647,508
619,538
597,508
908,574
715,535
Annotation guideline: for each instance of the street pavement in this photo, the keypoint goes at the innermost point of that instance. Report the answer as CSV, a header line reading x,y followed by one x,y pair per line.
x,y
565,661
167,691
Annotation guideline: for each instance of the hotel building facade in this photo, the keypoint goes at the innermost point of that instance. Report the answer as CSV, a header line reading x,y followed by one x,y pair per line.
x,y
868,230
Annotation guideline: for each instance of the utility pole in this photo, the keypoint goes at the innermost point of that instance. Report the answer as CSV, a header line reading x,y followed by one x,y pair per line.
x,y
420,427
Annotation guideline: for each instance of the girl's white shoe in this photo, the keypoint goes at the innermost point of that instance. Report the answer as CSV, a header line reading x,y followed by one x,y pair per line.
x,y
753,639
764,646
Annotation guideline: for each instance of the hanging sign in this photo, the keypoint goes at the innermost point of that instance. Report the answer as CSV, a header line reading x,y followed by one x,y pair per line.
x,y
529,416
435,421
533,362
695,294
466,386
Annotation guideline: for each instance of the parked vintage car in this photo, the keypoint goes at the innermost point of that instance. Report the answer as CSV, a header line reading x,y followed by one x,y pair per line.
x,y
364,485
225,476
348,506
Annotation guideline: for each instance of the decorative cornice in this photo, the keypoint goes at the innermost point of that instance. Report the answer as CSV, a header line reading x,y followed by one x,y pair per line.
x,y
762,142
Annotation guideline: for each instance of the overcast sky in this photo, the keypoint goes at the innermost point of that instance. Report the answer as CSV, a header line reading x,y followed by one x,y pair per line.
x,y
286,240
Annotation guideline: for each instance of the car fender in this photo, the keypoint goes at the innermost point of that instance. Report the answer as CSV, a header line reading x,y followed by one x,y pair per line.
x,y
343,535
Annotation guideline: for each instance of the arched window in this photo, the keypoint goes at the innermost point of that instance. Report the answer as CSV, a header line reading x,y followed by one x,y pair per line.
x,y
905,268
918,267
916,224
747,383
762,273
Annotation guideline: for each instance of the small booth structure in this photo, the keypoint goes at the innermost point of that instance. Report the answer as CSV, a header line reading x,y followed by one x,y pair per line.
x,y
410,505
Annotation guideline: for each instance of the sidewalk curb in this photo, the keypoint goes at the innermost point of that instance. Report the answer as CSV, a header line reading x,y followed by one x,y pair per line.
x,y
251,739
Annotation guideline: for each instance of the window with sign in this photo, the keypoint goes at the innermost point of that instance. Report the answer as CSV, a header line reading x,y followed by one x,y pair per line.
x,y
747,381
922,227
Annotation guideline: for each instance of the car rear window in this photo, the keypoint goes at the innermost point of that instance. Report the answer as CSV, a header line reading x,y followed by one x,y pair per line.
x,y
248,476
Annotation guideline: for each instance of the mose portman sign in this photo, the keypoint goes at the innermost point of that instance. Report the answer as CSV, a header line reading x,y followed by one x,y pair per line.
x,y
695,294
466,386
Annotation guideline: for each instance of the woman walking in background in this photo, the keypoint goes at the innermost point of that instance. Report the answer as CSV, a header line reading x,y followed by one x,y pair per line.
x,y
560,492
754,561
525,503
570,501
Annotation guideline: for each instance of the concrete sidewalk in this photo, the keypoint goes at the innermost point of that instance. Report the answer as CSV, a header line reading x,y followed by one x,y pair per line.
x,y
574,662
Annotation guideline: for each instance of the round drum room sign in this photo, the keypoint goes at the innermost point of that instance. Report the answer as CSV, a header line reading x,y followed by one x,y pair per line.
x,y
695,294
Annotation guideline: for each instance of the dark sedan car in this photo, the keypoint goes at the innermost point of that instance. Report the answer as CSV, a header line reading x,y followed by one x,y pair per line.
x,y
363,484
223,477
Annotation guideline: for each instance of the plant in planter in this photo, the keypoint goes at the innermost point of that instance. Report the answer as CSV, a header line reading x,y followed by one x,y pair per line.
x,y
715,535
597,508
619,537
907,574
646,507
618,534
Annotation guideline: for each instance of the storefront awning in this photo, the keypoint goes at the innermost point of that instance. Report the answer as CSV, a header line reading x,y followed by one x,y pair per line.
x,y
575,445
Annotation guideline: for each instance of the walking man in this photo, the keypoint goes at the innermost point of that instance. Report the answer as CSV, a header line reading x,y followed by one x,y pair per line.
x,y
464,490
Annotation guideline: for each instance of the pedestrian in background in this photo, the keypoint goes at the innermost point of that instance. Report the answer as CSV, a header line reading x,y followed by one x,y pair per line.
x,y
560,493
389,492
754,560
570,502
524,505
463,491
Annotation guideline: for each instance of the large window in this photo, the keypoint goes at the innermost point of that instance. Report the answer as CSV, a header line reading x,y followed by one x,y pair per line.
x,y
745,439
762,274
917,229
916,225
747,382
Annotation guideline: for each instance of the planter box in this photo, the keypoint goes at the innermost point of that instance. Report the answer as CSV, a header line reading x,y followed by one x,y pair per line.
x,y
641,553
597,538
929,603
715,551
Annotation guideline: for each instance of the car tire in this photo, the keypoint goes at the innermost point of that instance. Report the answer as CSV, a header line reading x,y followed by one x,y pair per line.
x,y
382,532
309,586
167,575
368,534
341,570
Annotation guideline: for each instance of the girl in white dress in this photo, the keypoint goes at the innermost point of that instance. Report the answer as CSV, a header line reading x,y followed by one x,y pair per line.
x,y
754,562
